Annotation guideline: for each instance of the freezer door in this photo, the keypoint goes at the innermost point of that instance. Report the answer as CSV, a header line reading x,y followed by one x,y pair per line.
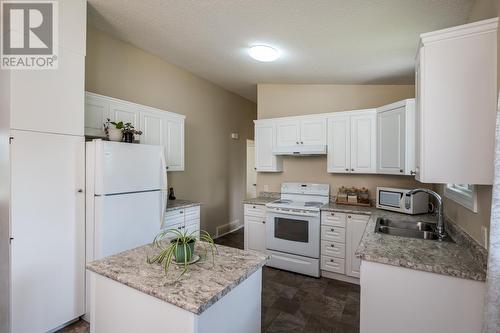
x,y
125,221
124,167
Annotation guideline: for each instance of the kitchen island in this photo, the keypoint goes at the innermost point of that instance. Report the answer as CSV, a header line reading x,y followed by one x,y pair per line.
x,y
130,295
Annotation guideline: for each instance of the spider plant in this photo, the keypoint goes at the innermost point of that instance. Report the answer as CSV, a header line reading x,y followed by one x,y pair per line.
x,y
180,247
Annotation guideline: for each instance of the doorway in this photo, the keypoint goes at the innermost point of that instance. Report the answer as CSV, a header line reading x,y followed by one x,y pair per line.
x,y
251,173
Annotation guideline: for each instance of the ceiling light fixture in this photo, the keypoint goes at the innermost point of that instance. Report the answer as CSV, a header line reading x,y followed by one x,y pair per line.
x,y
263,53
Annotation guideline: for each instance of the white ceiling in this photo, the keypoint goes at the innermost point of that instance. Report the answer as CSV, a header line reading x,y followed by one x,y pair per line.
x,y
335,41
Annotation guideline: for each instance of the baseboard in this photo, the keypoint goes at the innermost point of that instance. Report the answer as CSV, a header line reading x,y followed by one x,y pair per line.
x,y
340,277
228,228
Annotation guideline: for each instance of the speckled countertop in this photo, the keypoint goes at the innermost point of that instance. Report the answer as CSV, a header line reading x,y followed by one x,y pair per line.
x,y
202,286
462,259
180,204
263,198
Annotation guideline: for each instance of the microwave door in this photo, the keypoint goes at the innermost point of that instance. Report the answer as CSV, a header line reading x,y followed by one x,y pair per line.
x,y
390,199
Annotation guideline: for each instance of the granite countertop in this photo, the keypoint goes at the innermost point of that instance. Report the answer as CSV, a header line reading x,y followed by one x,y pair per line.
x,y
181,204
463,259
202,286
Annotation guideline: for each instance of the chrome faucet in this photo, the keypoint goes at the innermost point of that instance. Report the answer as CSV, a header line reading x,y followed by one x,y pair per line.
x,y
440,219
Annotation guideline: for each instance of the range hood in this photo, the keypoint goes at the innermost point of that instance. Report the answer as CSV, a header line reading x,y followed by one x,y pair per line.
x,y
300,150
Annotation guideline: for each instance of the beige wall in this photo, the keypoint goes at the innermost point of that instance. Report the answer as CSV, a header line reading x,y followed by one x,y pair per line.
x,y
277,100
472,222
215,164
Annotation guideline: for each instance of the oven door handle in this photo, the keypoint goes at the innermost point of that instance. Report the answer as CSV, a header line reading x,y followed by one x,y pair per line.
x,y
270,210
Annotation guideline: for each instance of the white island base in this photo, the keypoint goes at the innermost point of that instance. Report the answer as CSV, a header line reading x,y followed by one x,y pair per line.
x,y
117,308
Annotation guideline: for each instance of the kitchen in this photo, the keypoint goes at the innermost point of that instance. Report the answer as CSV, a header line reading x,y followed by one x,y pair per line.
x,y
162,68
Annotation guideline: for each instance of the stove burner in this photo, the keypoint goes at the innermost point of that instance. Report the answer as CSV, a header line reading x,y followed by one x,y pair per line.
x,y
313,204
283,201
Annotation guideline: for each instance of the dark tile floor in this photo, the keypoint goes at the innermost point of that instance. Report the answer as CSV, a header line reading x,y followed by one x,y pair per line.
x,y
295,303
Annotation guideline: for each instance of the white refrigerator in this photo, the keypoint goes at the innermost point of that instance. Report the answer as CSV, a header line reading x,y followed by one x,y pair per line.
x,y
126,197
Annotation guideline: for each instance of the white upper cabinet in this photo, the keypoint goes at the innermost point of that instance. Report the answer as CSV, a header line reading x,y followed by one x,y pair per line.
x,y
288,132
352,142
363,142
174,143
306,130
265,141
158,127
313,131
396,138
339,139
456,100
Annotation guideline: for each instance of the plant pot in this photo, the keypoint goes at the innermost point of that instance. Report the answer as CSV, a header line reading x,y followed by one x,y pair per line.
x,y
180,254
115,134
128,137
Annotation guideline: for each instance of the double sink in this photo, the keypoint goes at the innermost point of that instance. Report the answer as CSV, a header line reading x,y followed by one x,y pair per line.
x,y
411,229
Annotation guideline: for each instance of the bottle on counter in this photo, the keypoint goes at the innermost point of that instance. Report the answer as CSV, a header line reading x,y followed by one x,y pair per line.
x,y
171,195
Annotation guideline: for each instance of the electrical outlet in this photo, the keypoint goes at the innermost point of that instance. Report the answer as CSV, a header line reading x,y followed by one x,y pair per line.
x,y
484,234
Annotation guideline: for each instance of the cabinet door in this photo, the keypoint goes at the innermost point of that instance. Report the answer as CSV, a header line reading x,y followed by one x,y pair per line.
x,y
355,228
287,132
265,139
125,113
255,233
313,131
152,128
174,141
363,142
96,114
50,100
391,142
339,150
48,230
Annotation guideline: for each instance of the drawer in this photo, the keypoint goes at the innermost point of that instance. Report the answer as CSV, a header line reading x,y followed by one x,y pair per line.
x,y
333,234
334,219
173,220
333,264
175,214
192,213
332,249
255,210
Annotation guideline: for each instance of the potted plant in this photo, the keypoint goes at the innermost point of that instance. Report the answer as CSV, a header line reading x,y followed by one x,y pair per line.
x,y
114,130
179,247
129,132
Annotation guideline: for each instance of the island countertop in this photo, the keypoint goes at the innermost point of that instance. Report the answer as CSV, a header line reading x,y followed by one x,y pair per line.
x,y
462,259
181,204
202,286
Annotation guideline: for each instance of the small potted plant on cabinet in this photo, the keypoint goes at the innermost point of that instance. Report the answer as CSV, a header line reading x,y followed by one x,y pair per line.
x,y
178,247
114,130
129,132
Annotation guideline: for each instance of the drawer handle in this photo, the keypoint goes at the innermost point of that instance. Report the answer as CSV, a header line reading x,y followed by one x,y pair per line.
x,y
253,207
332,245
349,216
180,212
264,222
333,214
332,229
331,260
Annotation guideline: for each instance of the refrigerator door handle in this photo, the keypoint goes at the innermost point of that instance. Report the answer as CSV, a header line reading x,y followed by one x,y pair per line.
x,y
164,189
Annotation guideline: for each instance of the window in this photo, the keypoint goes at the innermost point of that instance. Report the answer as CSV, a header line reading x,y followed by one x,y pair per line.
x,y
464,194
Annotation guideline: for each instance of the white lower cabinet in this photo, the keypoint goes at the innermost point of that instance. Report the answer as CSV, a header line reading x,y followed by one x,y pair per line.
x,y
183,219
340,237
255,227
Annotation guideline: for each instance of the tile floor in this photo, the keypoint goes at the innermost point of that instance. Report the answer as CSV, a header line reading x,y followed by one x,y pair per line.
x,y
293,302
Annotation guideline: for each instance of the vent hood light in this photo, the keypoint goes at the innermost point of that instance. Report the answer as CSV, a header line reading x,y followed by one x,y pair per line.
x,y
263,53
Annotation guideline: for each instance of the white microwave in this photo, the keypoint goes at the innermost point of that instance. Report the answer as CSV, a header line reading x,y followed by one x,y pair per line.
x,y
398,200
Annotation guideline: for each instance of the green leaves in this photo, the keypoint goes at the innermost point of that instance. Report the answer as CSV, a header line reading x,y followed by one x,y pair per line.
x,y
180,240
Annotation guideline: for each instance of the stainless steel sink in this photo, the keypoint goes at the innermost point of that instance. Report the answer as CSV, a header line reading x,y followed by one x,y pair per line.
x,y
411,229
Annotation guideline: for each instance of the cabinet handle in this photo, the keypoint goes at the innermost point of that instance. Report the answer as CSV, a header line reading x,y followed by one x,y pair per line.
x,y
301,142
167,168
347,169
296,142
180,212
332,229
413,173
80,190
333,214
263,222
179,228
331,260
332,245
352,169
401,170
349,216
253,207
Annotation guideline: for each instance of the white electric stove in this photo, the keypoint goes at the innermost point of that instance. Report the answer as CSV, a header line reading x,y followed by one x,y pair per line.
x,y
293,227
